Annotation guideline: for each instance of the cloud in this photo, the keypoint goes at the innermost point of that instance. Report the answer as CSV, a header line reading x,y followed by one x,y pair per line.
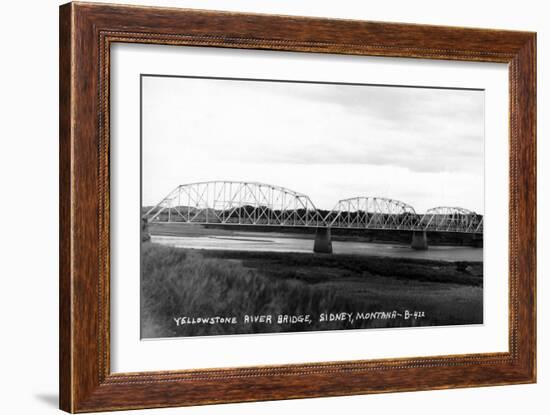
x,y
212,123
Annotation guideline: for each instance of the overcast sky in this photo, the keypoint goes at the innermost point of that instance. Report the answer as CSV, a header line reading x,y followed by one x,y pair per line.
x,y
422,146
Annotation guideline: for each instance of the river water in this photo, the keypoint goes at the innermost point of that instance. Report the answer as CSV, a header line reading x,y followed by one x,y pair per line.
x,y
270,242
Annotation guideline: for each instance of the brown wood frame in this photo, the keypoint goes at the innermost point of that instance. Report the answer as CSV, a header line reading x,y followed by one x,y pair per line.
x,y
86,33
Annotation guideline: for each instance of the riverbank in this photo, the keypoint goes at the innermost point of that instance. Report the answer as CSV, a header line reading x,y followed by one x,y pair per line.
x,y
186,285
338,234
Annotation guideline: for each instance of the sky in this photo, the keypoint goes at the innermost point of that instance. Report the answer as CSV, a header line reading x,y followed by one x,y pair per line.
x,y
423,146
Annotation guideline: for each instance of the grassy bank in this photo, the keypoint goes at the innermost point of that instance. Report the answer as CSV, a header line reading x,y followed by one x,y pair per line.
x,y
177,282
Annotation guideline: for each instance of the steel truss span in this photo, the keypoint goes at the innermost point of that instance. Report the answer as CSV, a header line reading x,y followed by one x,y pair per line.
x,y
451,219
372,213
236,203
261,204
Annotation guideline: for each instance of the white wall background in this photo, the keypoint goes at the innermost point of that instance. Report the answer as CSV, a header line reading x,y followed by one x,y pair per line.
x,y
29,205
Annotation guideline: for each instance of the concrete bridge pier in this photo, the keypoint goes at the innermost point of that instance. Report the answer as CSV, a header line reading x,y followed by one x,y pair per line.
x,y
419,240
323,241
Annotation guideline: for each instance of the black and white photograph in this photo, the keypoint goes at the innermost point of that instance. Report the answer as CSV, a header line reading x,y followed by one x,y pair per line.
x,y
277,206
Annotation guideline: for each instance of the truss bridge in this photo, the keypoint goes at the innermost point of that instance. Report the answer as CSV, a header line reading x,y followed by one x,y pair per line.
x,y
227,203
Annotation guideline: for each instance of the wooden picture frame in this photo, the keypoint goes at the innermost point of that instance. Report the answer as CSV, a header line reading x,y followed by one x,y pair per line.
x,y
86,33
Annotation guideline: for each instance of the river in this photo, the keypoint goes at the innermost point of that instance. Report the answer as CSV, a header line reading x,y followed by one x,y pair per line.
x,y
270,242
